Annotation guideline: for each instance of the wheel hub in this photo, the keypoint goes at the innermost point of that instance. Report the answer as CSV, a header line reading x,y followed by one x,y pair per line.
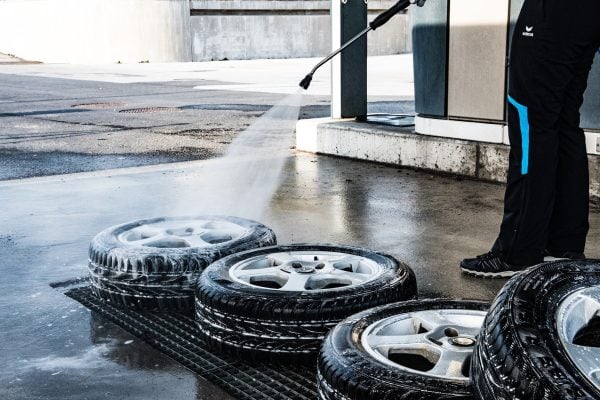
x,y
305,270
441,341
463,341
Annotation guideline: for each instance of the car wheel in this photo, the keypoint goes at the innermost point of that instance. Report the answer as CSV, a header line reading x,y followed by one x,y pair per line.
x,y
152,264
541,339
414,350
278,303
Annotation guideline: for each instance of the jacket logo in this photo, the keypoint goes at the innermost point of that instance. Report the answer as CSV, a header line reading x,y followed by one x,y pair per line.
x,y
528,31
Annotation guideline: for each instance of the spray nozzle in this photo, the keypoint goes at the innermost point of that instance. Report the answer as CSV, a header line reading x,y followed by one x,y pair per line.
x,y
305,83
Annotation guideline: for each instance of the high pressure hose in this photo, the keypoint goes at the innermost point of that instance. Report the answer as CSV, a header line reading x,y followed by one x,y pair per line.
x,y
381,19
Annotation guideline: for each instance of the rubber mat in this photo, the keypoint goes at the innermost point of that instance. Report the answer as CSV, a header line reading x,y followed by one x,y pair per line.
x,y
176,335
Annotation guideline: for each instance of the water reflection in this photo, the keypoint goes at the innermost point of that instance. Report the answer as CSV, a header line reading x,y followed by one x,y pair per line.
x,y
124,348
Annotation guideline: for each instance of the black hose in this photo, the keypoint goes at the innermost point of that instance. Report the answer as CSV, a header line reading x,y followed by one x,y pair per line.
x,y
376,23
387,15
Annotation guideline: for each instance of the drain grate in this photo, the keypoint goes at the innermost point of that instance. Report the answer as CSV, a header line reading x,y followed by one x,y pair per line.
x,y
98,106
150,110
177,336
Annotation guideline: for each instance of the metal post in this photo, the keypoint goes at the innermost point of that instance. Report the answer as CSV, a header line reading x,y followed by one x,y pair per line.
x,y
349,69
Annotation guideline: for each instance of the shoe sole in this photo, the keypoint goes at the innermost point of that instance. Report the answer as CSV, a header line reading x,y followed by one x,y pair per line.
x,y
490,275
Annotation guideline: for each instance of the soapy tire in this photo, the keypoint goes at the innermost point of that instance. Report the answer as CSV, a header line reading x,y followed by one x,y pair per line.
x,y
270,325
346,371
519,354
161,278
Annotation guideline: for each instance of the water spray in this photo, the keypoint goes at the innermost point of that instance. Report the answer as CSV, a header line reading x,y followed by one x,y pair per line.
x,y
380,20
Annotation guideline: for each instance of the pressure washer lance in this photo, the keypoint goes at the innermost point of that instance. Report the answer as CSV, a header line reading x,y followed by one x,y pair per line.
x,y
381,19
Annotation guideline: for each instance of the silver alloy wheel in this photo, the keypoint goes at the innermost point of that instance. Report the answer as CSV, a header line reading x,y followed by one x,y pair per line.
x,y
182,232
299,271
574,314
434,343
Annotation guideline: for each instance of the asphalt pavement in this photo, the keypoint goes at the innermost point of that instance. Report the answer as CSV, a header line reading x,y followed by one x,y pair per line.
x,y
57,119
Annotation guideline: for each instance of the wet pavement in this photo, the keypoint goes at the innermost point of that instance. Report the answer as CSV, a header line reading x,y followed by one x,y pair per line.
x,y
57,119
53,348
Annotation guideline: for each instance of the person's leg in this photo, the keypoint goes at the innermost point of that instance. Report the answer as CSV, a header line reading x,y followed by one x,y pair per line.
x,y
537,83
569,224
542,66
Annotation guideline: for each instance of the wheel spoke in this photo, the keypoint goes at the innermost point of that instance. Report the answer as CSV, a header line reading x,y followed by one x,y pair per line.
x,y
592,303
153,239
351,261
218,232
281,258
196,241
387,343
430,319
246,274
145,232
355,277
296,282
471,332
183,230
450,364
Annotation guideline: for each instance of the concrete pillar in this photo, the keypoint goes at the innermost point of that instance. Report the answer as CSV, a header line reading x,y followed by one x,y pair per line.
x,y
349,69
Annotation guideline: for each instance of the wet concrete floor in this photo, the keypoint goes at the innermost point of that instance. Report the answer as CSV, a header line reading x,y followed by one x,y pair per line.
x,y
59,119
53,348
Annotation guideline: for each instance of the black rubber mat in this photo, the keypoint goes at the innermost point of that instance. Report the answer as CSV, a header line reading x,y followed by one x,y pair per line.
x,y
177,336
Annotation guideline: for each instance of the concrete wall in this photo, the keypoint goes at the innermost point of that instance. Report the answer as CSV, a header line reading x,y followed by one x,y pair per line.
x,y
96,31
108,31
243,29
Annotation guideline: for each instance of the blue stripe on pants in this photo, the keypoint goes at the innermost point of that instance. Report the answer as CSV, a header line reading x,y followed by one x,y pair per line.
x,y
524,123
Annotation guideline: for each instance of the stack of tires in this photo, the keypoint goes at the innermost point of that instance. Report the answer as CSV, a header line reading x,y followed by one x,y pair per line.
x,y
153,264
251,298
354,311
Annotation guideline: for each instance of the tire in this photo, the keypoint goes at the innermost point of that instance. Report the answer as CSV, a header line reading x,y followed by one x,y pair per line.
x,y
263,323
524,352
350,366
130,267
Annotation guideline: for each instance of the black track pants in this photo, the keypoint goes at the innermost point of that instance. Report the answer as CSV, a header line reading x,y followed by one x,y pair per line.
x,y
547,196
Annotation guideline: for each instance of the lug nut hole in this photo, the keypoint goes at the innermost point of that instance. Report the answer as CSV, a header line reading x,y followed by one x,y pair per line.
x,y
451,332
